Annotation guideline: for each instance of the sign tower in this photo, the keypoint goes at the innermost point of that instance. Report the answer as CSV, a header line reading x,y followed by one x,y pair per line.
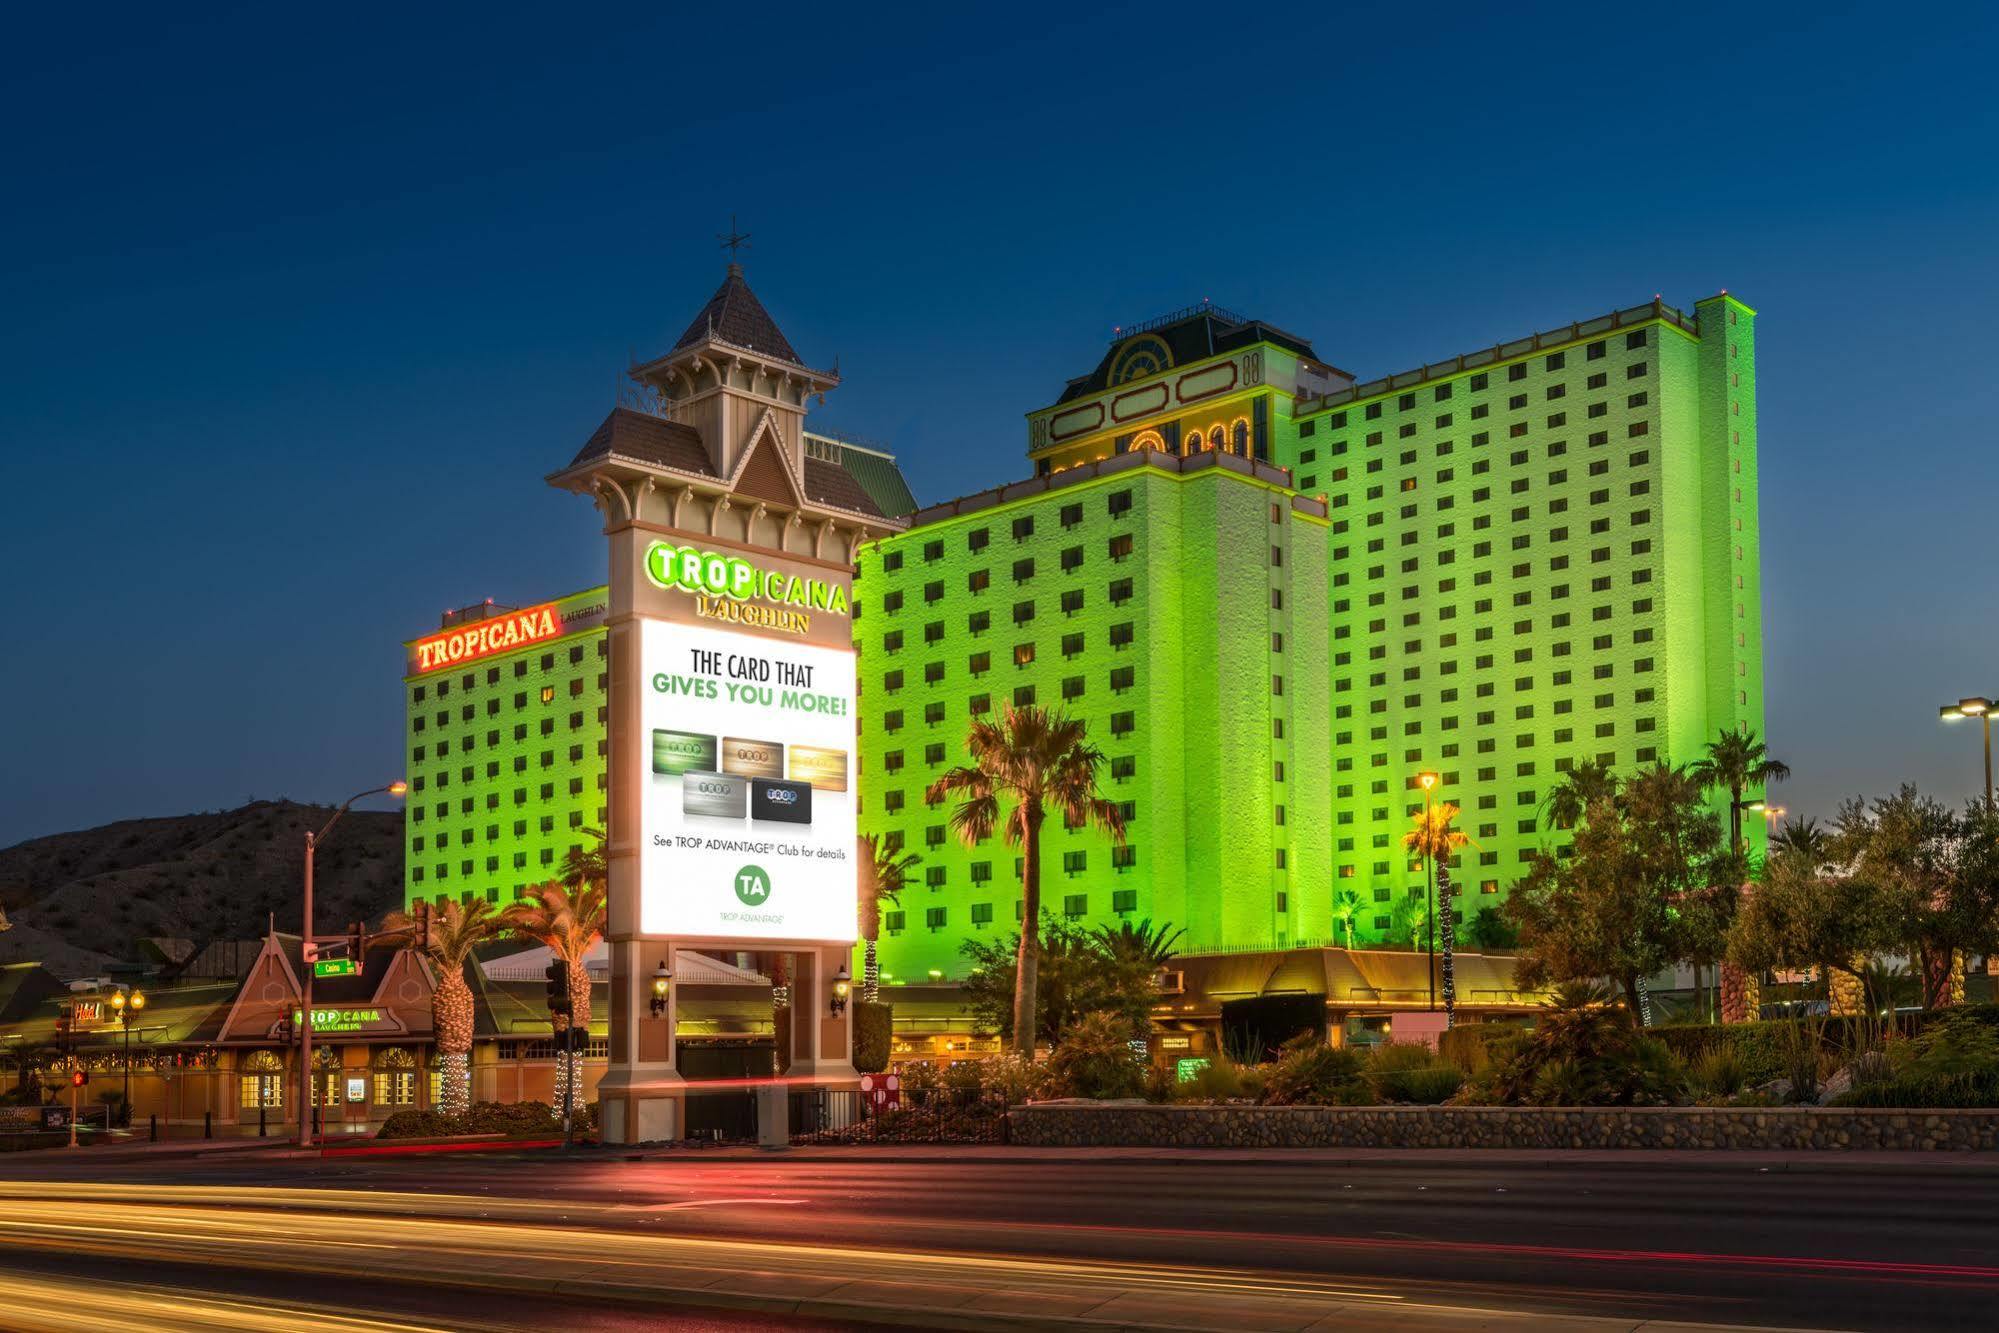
x,y
731,770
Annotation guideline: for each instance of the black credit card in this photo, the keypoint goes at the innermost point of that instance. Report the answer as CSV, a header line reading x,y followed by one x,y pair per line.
x,y
785,802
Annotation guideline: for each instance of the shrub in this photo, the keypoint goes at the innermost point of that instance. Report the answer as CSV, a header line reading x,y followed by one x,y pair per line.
x,y
873,1032
964,1076
1925,1090
1411,1072
1095,1059
517,1118
1586,1053
919,1075
1221,1080
1310,1073
1718,1071
1470,1047
1013,1078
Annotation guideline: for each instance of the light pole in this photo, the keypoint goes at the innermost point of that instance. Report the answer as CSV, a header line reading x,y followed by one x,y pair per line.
x,y
1982,710
309,954
127,1008
1429,784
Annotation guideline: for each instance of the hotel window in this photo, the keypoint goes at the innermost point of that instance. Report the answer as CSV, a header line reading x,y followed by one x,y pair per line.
x,y
1120,546
1072,687
933,591
976,539
1071,515
982,914
1075,904
1023,696
892,922
1072,601
979,622
1023,612
1120,592
1023,570
891,562
1123,724
1072,559
1023,527
1120,501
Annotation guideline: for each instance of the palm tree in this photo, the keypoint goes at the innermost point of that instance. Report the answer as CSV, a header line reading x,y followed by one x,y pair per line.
x,y
1736,761
1435,838
1346,911
1582,786
1143,945
1029,760
885,871
569,926
455,932
586,865
1805,839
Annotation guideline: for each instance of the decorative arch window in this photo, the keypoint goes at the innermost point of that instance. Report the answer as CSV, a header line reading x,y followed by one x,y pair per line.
x,y
1240,431
1148,439
395,1076
263,1080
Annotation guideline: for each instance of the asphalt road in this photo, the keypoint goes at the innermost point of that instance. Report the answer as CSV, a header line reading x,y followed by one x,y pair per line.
x,y
1709,1241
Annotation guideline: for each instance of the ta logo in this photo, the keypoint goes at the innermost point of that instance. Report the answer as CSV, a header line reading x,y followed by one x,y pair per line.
x,y
752,886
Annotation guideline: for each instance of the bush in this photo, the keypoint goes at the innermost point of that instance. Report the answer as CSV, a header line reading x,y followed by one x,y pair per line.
x,y
1925,1090
510,1118
1411,1072
1013,1078
919,1075
964,1077
1718,1071
1095,1059
1585,1053
1470,1047
1221,1080
1311,1073
873,1035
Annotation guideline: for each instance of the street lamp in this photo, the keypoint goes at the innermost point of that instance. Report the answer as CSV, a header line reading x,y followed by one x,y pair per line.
x,y
127,1007
662,981
1982,710
309,954
1428,781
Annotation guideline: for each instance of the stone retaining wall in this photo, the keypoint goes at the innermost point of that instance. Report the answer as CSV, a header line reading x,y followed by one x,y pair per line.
x,y
1126,1125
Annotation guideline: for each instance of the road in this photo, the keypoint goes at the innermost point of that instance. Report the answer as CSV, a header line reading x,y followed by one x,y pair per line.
x,y
830,1238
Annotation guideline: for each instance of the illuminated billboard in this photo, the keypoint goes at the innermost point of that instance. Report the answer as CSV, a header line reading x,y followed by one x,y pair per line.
x,y
747,736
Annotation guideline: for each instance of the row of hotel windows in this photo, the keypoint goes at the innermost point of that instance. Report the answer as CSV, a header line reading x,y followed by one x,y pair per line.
x,y
468,712
442,779
1480,381
1118,548
1480,467
978,622
442,688
442,810
1118,503
545,824
1074,906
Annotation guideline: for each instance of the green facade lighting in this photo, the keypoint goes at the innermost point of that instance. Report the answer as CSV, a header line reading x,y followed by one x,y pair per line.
x,y
1276,597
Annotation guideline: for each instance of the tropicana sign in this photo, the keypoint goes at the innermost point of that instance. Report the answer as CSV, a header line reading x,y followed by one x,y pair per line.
x,y
496,634
727,587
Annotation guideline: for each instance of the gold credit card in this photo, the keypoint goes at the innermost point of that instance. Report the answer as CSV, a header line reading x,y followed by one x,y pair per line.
x,y
824,769
752,759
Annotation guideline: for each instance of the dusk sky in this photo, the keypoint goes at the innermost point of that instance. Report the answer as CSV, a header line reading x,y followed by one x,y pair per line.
x,y
298,309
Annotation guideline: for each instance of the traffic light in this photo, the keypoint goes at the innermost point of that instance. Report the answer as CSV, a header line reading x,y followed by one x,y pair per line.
x,y
558,986
77,1078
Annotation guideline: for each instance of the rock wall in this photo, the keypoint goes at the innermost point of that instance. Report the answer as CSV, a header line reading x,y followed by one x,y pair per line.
x,y
1073,1125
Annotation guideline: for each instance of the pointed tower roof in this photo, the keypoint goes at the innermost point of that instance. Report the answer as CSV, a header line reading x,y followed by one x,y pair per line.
x,y
734,315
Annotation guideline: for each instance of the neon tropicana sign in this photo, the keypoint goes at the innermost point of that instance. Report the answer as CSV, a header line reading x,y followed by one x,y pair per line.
x,y
728,587
496,634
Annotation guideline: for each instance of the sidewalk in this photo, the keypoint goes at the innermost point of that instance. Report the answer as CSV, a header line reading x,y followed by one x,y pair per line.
x,y
1448,1159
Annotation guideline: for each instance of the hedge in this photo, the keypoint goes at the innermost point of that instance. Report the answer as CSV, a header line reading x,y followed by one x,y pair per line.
x,y
873,1031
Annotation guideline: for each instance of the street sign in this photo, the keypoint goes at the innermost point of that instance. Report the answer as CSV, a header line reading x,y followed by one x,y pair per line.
x,y
335,967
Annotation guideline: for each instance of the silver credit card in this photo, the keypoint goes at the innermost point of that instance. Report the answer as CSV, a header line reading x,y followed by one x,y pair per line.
x,y
716,795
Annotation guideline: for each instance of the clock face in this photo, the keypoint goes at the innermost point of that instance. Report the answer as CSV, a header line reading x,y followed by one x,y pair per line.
x,y
1138,358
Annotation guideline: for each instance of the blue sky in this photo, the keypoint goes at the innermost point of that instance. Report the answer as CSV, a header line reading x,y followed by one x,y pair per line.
x,y
299,306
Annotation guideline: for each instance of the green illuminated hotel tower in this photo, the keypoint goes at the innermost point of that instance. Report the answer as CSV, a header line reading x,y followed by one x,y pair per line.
x,y
1275,595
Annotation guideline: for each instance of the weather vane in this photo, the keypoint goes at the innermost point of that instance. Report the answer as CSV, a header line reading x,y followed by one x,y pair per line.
x,y
735,240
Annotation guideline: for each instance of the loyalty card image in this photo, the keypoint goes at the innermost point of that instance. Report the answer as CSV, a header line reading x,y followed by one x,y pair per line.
x,y
714,795
782,802
752,759
677,752
824,769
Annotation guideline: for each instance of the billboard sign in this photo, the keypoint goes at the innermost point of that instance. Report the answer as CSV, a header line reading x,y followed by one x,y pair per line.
x,y
747,739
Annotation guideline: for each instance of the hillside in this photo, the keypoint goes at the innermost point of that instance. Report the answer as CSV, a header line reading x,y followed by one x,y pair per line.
x,y
80,900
